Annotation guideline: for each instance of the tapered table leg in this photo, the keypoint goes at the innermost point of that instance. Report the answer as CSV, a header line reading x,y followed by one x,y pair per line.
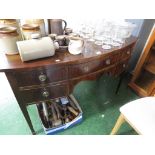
x,y
27,117
122,75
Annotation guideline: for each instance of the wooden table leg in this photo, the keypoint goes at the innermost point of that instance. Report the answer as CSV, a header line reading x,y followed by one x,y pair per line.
x,y
13,84
27,117
122,75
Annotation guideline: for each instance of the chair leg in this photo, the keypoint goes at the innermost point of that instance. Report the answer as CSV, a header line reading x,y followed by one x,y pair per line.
x,y
118,124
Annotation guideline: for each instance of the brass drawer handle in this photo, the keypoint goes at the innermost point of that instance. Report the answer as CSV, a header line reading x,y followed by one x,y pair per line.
x,y
107,62
42,77
45,93
124,65
86,68
128,52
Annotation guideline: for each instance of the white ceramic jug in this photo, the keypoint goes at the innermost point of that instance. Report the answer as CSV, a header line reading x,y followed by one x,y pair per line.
x,y
8,38
76,45
11,23
39,22
36,48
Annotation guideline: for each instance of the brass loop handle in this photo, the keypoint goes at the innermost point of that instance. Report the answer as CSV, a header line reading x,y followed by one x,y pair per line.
x,y
42,77
124,65
86,68
128,52
107,62
45,93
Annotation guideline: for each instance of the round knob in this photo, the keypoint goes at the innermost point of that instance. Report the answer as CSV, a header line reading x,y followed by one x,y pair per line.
x,y
45,93
42,77
86,68
124,65
107,62
128,52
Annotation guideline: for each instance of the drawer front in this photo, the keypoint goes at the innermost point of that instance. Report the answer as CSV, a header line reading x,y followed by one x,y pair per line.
x,y
45,93
92,66
41,76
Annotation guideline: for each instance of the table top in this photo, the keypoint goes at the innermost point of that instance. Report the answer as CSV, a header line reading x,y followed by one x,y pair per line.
x,y
11,62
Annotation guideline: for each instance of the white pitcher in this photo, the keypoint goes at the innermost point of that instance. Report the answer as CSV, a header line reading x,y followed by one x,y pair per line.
x,y
76,45
11,23
8,38
39,22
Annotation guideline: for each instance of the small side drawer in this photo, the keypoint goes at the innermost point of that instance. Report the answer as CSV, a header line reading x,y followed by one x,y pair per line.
x,y
40,76
45,93
92,66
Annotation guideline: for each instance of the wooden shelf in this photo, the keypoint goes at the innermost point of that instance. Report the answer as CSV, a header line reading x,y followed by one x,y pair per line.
x,y
141,92
153,47
150,66
145,81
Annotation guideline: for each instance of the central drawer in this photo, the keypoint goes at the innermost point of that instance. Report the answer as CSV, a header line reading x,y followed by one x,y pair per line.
x,y
92,66
44,93
41,76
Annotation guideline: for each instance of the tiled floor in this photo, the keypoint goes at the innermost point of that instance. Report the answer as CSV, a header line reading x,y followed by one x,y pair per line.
x,y
97,99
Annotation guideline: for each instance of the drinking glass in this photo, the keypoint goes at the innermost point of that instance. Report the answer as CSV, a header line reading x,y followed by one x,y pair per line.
x,y
123,31
107,34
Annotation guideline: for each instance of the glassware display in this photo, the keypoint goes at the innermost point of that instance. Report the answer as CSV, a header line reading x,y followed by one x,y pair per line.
x,y
106,33
121,31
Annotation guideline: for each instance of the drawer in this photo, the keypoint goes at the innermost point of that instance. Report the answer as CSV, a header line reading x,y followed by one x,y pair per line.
x,y
40,76
44,93
92,66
